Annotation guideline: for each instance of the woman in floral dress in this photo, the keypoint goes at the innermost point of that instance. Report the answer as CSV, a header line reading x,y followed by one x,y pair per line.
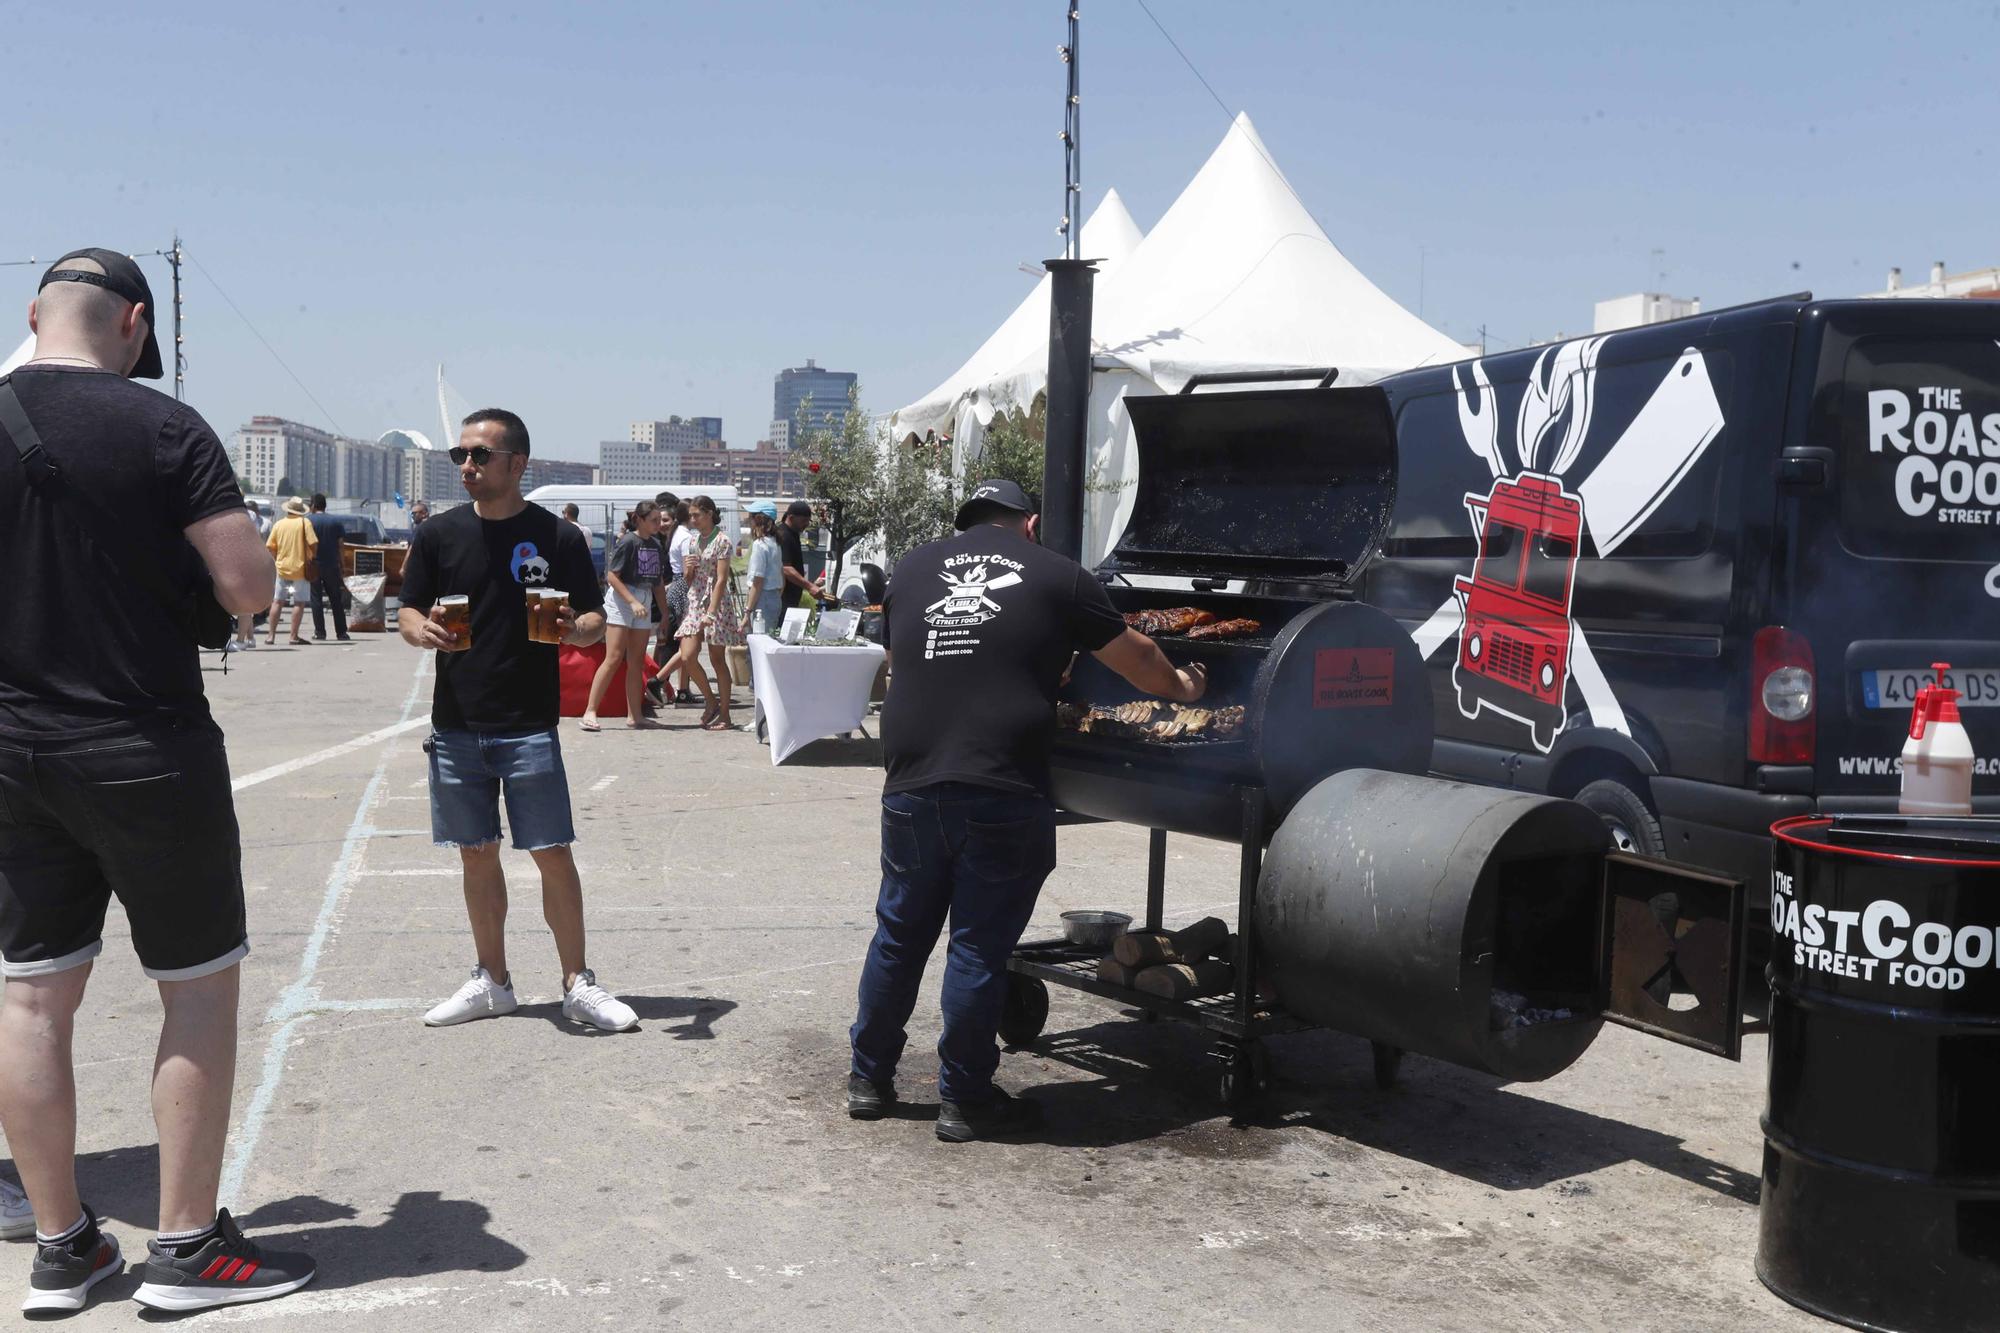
x,y
713,613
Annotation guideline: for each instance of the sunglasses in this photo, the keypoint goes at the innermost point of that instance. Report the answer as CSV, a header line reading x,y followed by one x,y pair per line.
x,y
478,453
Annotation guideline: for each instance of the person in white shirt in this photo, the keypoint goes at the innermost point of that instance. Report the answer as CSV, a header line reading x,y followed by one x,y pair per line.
x,y
767,572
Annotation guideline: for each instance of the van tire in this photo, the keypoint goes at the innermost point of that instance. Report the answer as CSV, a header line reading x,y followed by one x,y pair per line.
x,y
1634,827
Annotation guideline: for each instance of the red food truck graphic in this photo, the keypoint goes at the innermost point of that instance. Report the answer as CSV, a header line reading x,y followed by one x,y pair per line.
x,y
1514,649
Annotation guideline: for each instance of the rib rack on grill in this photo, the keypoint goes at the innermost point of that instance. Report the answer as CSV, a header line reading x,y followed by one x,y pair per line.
x,y
1168,620
1226,629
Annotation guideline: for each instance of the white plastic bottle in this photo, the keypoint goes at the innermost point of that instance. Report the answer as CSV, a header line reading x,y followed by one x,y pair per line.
x,y
1937,758
758,624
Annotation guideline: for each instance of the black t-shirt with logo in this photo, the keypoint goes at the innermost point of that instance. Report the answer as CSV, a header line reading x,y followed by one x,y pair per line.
x,y
639,560
85,646
792,555
503,682
981,626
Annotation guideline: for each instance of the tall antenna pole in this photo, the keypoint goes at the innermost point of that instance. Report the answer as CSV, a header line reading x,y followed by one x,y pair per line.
x,y
1072,137
1066,429
180,344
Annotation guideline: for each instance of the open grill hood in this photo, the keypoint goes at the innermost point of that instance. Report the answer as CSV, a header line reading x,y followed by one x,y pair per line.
x,y
1290,486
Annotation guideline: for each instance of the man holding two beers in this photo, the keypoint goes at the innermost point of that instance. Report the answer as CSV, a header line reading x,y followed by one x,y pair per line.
x,y
476,588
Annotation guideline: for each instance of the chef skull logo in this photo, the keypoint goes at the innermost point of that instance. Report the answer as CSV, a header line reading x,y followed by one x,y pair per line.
x,y
969,601
1519,646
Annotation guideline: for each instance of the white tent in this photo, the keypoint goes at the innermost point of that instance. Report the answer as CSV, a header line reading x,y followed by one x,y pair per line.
x,y
990,378
1236,276
21,353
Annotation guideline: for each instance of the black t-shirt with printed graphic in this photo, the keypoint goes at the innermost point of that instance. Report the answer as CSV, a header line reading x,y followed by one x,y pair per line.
x,y
503,682
86,646
638,560
982,626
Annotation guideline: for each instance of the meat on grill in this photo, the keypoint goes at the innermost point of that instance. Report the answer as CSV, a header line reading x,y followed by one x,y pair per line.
x,y
1168,620
1226,629
1146,720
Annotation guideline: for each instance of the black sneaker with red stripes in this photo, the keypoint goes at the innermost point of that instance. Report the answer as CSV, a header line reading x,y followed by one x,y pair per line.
x,y
64,1271
226,1270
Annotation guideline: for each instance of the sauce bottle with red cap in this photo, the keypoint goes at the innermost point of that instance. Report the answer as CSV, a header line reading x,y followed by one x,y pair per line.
x,y
1937,758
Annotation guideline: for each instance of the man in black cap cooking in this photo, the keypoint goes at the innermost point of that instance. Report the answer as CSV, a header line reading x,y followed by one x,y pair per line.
x,y
117,506
982,628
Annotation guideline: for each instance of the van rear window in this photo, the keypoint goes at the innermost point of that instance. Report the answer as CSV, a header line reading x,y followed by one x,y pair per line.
x,y
1920,448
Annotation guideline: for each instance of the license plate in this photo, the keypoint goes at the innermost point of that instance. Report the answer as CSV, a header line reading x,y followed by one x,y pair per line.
x,y
1978,688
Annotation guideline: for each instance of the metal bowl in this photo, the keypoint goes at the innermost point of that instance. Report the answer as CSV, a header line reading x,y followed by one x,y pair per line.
x,y
1094,930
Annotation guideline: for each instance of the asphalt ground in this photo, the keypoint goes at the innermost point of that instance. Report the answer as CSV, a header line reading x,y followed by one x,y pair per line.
x,y
701,1173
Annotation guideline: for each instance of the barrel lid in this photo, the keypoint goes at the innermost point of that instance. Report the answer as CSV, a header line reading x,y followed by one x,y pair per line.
x,y
1947,839
1293,485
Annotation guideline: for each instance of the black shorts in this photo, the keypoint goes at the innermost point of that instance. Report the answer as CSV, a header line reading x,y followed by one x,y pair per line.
x,y
144,812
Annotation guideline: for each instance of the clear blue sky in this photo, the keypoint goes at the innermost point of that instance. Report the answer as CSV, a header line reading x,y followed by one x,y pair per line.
x,y
595,214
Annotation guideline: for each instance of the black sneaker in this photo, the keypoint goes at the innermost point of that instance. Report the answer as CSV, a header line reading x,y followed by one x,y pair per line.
x,y
996,1117
656,692
869,1101
228,1270
64,1273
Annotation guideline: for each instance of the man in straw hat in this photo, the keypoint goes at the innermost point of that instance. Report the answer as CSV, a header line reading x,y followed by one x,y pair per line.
x,y
295,545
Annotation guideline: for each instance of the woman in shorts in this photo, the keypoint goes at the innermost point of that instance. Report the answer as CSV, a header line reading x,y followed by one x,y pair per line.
x,y
636,566
713,613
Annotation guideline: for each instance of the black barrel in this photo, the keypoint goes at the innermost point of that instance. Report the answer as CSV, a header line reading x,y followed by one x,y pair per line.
x,y
1881,1199
1455,921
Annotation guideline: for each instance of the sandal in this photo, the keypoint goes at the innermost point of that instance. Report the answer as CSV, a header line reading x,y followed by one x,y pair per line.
x,y
709,714
718,723
589,724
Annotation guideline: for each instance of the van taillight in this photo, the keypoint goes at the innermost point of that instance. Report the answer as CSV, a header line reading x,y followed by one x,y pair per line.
x,y
1783,698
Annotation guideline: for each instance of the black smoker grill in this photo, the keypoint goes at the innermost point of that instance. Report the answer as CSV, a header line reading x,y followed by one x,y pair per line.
x,y
1267,505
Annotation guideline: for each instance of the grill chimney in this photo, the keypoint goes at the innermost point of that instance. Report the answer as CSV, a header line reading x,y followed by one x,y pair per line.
x,y
1895,280
1937,273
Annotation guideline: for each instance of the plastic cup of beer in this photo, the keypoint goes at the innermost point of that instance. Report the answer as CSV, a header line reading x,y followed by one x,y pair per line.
x,y
455,616
545,614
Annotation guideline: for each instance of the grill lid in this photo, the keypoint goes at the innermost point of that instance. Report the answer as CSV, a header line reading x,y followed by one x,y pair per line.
x,y
1291,485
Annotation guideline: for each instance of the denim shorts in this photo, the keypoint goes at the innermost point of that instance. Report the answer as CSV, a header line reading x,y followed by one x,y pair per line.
x,y
471,770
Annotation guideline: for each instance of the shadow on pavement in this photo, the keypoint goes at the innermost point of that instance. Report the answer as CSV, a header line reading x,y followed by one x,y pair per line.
x,y
838,753
424,1234
1160,1081
700,1013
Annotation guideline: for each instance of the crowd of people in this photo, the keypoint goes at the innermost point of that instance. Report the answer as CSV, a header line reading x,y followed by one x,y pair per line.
x,y
670,585
116,781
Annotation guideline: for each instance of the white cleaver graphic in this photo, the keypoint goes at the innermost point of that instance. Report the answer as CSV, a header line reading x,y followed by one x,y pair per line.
x,y
1666,439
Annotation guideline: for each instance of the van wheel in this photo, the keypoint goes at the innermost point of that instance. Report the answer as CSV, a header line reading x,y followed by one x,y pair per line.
x,y
1634,827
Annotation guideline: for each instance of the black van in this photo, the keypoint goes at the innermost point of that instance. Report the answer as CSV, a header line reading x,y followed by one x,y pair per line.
x,y
1692,574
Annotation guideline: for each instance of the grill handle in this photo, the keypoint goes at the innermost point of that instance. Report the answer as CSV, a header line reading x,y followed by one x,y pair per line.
x,y
1325,375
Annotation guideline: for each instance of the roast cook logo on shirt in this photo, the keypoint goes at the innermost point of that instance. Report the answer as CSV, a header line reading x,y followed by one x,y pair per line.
x,y
528,565
972,579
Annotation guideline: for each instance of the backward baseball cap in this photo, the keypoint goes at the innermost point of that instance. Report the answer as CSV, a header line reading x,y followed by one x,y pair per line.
x,y
122,278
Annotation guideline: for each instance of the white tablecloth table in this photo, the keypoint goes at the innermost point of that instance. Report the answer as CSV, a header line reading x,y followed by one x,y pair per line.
x,y
807,691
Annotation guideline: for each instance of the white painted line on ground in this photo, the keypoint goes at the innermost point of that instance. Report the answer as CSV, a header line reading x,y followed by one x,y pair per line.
x,y
297,1002
439,872
856,958
290,766
372,832
604,782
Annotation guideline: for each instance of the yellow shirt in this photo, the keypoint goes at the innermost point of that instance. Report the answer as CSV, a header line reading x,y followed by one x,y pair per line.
x,y
293,541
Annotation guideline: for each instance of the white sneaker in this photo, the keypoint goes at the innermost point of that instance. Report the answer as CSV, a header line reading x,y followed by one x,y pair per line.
x,y
17,1217
481,997
588,1002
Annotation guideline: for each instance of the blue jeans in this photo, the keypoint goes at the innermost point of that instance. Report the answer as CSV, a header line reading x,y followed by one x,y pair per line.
x,y
470,770
980,856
